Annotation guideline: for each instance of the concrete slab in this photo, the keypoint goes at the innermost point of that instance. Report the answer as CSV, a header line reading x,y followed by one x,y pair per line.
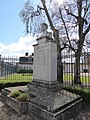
x,y
23,88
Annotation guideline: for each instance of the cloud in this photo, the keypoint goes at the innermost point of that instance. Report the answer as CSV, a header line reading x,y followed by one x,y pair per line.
x,y
24,44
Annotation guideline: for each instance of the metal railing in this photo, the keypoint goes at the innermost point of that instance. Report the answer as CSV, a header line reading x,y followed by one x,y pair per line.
x,y
12,70
69,67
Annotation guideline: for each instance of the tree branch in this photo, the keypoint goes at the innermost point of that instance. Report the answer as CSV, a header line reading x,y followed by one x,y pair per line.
x,y
69,13
48,16
55,31
87,30
64,25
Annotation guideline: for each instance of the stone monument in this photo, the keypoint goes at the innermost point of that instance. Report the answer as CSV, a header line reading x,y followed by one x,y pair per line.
x,y
45,61
43,30
51,102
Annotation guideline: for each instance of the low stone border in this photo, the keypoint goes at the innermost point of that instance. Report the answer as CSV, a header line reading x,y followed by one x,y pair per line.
x,y
20,107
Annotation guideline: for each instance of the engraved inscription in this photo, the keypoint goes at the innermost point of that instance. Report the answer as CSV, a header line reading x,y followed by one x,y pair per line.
x,y
41,60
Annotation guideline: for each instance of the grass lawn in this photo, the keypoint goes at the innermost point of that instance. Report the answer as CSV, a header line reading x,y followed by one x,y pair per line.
x,y
84,77
28,77
16,78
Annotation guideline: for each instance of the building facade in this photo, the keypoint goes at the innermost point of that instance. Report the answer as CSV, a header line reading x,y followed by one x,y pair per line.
x,y
25,62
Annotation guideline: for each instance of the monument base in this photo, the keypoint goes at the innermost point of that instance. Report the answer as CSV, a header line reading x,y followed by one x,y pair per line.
x,y
52,102
41,86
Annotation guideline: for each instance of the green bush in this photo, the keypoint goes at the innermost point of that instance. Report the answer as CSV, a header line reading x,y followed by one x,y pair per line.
x,y
23,97
15,94
25,71
86,95
83,92
19,96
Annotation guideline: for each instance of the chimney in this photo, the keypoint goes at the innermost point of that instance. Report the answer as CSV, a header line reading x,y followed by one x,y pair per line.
x,y
26,54
32,54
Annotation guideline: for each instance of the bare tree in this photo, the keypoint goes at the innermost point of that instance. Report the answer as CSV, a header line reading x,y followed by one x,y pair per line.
x,y
78,15
71,21
74,26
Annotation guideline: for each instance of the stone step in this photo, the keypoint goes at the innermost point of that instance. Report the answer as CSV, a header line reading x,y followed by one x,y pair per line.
x,y
5,92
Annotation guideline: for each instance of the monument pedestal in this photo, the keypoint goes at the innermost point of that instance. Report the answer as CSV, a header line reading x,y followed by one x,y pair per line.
x,y
37,87
60,105
51,102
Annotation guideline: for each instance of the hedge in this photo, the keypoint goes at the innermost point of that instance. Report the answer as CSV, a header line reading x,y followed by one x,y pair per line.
x,y
83,92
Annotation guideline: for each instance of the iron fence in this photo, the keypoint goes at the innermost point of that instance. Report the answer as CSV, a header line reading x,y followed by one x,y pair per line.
x,y
69,67
12,70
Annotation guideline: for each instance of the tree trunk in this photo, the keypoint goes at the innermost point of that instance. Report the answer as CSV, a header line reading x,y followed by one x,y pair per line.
x,y
59,59
79,44
77,79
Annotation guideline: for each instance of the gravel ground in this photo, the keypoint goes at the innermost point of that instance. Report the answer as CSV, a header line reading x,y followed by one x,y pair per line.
x,y
85,112
6,113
